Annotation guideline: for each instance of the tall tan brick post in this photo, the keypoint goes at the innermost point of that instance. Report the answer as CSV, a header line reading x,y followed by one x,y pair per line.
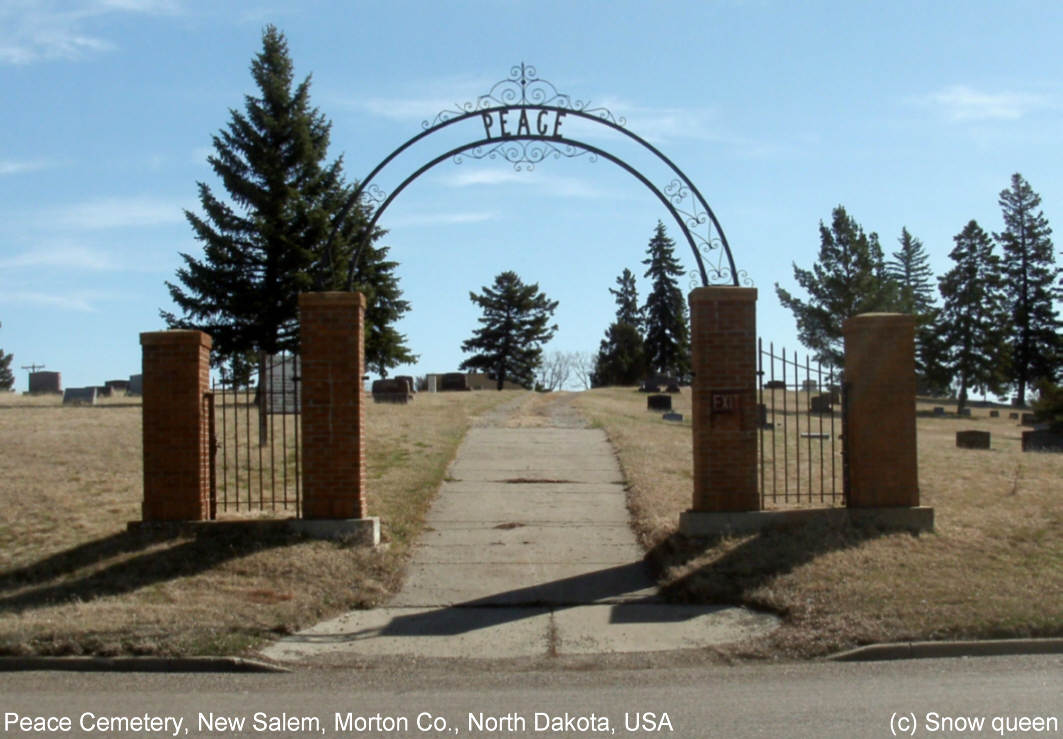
x,y
333,405
724,342
880,406
176,368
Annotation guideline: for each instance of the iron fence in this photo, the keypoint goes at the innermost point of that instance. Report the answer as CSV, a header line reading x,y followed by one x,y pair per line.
x,y
801,419
255,451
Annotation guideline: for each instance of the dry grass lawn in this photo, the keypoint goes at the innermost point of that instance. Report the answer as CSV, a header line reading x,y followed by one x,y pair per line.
x,y
992,568
73,580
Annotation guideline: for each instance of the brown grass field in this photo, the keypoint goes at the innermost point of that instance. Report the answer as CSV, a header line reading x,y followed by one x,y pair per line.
x,y
992,568
73,580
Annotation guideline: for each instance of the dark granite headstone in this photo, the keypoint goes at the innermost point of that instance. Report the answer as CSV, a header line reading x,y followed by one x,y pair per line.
x,y
1013,416
117,386
136,385
774,385
972,439
391,391
79,396
1028,419
820,404
659,403
670,416
409,381
453,381
1042,440
965,412
994,414
45,382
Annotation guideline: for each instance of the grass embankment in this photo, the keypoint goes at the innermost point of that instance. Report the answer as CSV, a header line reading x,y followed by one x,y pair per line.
x,y
73,580
993,567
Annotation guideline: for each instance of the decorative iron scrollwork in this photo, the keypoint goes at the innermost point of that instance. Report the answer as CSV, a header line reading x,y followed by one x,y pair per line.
x,y
523,87
525,154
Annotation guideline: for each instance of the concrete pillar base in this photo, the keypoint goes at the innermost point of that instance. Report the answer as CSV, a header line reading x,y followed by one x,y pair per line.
x,y
698,524
363,532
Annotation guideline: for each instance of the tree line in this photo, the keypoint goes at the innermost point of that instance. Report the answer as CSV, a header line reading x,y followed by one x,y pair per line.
x,y
996,329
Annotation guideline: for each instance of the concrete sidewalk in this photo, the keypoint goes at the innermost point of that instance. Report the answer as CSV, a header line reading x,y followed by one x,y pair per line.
x,y
527,552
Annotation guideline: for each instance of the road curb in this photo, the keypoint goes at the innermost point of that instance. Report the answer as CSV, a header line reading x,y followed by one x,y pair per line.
x,y
138,664
932,649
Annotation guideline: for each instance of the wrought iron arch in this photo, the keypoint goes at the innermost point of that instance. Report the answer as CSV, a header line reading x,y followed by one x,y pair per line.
x,y
524,91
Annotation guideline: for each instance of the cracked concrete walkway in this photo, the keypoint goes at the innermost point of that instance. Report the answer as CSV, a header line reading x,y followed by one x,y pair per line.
x,y
527,552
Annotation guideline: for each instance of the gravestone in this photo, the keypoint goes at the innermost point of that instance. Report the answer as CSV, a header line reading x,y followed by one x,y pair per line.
x,y
762,416
673,387
1042,440
821,436
136,385
820,404
774,385
972,439
79,396
810,386
432,382
391,391
454,381
409,381
45,382
939,410
1013,416
102,391
670,416
659,403
1028,419
281,384
649,387
117,386
994,414
965,412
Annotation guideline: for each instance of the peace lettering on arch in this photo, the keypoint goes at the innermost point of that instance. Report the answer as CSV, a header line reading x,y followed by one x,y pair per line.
x,y
506,123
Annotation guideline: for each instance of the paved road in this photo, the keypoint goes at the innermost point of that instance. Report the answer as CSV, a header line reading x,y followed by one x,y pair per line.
x,y
527,552
752,700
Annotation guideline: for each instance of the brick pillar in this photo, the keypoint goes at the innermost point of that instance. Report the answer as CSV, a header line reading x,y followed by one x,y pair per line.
x,y
724,416
333,404
880,409
176,368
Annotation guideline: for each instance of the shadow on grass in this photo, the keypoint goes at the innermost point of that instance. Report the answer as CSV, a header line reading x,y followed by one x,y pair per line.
x,y
86,571
729,570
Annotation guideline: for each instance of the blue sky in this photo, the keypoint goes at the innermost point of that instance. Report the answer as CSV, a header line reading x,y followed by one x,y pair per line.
x,y
907,113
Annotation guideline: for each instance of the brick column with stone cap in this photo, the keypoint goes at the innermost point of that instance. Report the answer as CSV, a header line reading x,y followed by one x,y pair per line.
x,y
333,404
176,439
724,409
880,407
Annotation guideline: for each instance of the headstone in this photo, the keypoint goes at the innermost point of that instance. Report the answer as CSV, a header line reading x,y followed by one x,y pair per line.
x,y
409,381
1042,440
994,414
762,416
1028,419
649,387
672,388
939,410
1013,416
965,412
820,404
102,391
810,386
79,396
45,382
972,439
136,385
774,385
670,416
433,383
659,403
453,381
395,390
281,384
815,435
117,386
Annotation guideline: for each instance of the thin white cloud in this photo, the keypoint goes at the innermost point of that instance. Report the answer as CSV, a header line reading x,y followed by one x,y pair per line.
x,y
84,302
552,184
965,103
443,219
63,257
12,168
38,30
470,177
117,212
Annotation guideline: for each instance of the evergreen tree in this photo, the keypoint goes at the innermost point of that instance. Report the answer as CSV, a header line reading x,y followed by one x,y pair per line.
x,y
667,342
7,376
264,244
975,316
627,300
621,357
849,278
513,328
1031,273
909,269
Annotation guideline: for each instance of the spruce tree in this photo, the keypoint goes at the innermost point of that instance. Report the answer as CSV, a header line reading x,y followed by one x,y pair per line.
x,y
514,326
1031,273
909,269
264,243
849,278
974,317
667,342
627,300
621,357
7,376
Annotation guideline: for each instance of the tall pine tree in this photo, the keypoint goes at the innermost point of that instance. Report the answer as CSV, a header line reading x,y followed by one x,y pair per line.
x,y
909,268
627,300
1031,273
621,356
264,243
667,342
849,278
7,377
974,317
514,326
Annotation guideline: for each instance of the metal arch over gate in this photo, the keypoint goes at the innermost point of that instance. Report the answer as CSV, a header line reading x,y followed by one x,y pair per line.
x,y
522,117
